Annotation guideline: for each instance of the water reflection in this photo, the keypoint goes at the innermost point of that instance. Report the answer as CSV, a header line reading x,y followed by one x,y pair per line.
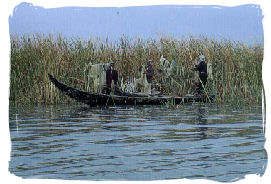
x,y
136,143
202,113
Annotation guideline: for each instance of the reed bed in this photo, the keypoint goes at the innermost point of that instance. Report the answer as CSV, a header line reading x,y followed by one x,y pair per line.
x,y
236,67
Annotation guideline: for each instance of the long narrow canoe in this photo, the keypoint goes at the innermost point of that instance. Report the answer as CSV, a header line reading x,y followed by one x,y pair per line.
x,y
94,99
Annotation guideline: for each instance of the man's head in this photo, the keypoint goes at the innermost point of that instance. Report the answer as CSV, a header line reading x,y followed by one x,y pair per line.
x,y
202,57
149,62
112,64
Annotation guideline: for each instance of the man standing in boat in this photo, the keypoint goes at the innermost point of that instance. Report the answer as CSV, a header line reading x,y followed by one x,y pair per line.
x,y
149,75
111,75
202,68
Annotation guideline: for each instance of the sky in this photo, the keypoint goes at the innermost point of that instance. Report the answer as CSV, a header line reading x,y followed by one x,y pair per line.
x,y
241,23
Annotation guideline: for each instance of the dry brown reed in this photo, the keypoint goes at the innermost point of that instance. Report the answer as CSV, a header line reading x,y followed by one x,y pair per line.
x,y
236,67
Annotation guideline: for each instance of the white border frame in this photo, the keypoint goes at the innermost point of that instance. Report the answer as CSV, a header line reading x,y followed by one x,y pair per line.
x,y
7,10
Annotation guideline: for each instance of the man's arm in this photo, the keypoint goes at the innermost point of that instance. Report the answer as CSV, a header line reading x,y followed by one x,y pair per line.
x,y
116,77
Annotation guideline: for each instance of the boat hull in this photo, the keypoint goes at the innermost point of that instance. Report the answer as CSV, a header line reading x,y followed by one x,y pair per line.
x,y
93,99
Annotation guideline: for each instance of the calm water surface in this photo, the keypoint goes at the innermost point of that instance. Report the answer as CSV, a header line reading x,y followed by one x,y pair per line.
x,y
137,143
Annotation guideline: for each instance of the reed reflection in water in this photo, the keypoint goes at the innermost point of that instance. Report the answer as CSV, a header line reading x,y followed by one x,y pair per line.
x,y
137,143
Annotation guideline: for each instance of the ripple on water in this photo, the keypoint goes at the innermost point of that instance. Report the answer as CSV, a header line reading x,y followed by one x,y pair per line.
x,y
136,143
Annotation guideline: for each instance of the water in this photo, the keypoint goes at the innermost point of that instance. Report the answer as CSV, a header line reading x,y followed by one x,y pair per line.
x,y
137,143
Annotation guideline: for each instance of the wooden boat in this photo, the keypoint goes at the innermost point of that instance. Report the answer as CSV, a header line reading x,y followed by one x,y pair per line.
x,y
94,99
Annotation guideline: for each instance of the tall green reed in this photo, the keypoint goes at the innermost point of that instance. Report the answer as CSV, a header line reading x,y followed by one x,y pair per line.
x,y
236,67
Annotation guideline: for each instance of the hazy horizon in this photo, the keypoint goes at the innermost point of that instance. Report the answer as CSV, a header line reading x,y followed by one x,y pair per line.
x,y
241,23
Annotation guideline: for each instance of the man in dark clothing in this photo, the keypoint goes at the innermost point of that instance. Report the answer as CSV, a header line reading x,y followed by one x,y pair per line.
x,y
202,68
149,72
111,75
149,75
